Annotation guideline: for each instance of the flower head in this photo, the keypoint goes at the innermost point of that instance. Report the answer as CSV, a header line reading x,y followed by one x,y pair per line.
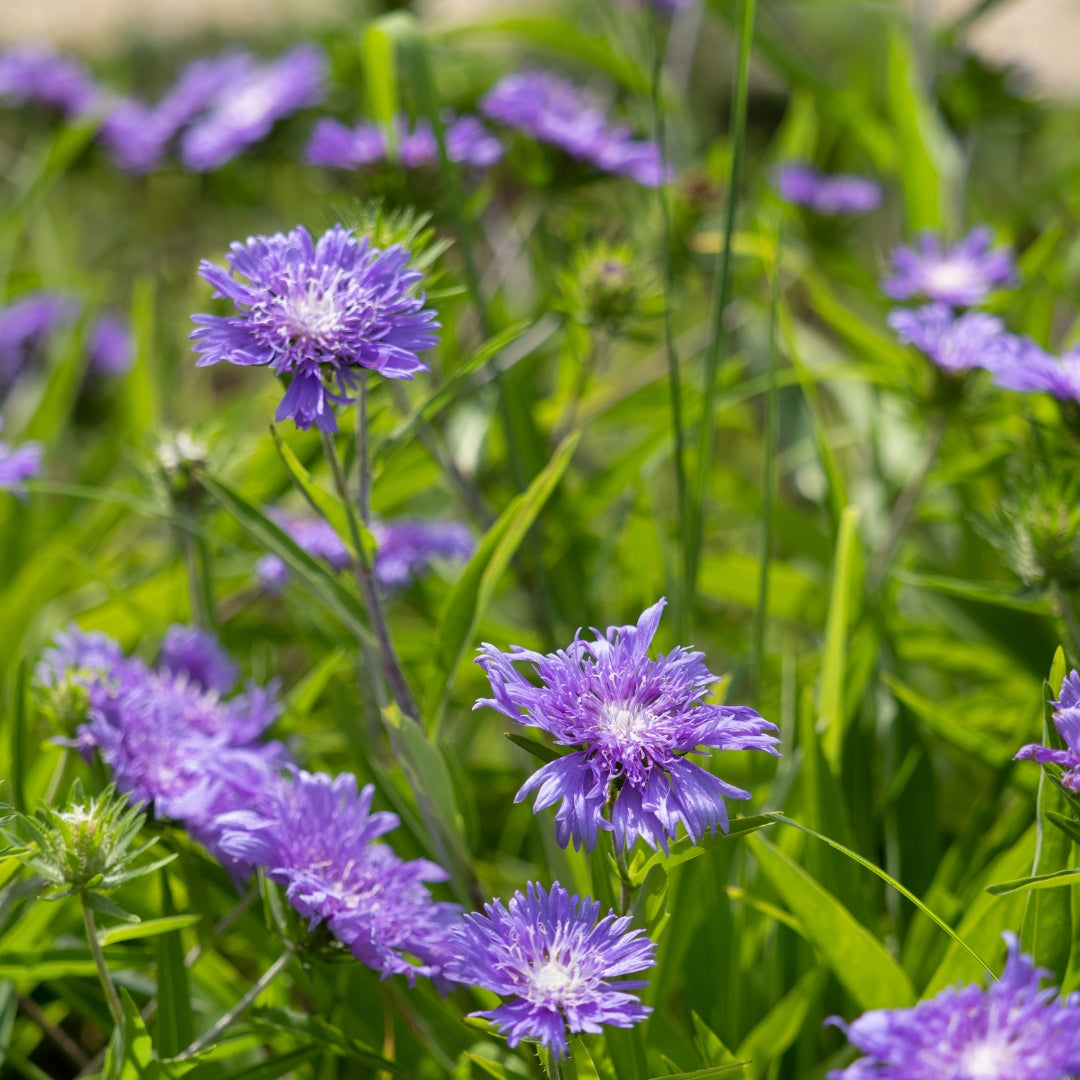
x,y
634,720
313,535
1011,1031
18,464
406,548
961,275
954,343
192,652
32,74
320,309
837,194
316,836
553,110
1030,369
1067,722
26,325
110,347
246,108
337,146
548,952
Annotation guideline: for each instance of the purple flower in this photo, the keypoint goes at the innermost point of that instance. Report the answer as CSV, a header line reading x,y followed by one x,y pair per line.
x,y
1067,722
25,326
962,275
316,836
336,146
315,536
313,310
18,464
828,194
1011,1031
468,142
247,108
553,110
74,651
954,343
408,547
548,952
33,74
110,346
196,654
634,719
1028,368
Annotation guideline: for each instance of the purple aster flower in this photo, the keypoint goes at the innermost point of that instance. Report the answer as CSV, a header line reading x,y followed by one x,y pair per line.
x,y
634,720
110,346
548,952
25,327
1026,367
553,110
316,836
313,310
468,142
135,136
406,548
954,343
314,535
337,146
17,465
248,108
1012,1031
35,74
77,651
196,654
835,194
962,275
1067,722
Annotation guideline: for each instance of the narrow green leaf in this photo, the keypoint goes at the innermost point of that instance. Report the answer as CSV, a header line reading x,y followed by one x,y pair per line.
x,y
858,959
1069,826
978,591
780,1027
685,849
141,393
537,749
62,387
706,1074
149,928
174,1024
321,1032
1038,882
831,701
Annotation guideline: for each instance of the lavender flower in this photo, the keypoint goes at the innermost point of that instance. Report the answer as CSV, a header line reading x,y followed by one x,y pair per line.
x,y
110,346
1024,366
548,952
246,110
316,835
1012,1031
962,275
17,465
89,652
837,194
1067,722
196,654
408,547
315,536
311,310
553,110
25,327
954,343
468,142
33,74
334,145
634,720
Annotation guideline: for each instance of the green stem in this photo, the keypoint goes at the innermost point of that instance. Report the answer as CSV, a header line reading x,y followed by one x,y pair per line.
x,y
116,1010
363,464
718,344
1067,605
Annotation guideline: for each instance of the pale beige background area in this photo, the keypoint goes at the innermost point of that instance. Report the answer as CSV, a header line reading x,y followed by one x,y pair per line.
x,y
1040,36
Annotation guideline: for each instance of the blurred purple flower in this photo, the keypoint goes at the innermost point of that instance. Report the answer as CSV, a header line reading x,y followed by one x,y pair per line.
x,y
1030,369
314,535
337,146
246,110
17,465
316,836
406,548
961,276
1067,722
561,966
634,719
468,142
36,74
25,326
74,650
1014,1030
197,654
954,343
110,346
553,110
824,193
313,309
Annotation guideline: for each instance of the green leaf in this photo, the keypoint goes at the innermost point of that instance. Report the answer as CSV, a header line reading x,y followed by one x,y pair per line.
x,y
149,928
131,1053
706,1074
492,1068
831,702
780,1027
858,959
1037,882
271,1069
61,389
141,392
105,906
1068,825
685,849
469,599
322,1033
174,1024
979,592
537,749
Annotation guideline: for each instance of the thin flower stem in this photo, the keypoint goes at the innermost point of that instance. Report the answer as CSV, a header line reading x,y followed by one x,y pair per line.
x,y
363,464
365,579
209,1036
116,1010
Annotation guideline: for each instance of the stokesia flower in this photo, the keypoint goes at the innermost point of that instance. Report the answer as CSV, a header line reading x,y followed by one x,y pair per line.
x,y
962,275
110,348
561,966
247,108
19,464
1011,1031
954,343
315,536
25,327
316,836
335,145
634,720
406,548
553,110
1030,369
1067,721
316,311
836,194
35,74
196,654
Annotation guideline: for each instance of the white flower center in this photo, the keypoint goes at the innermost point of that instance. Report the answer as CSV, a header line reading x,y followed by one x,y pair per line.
x,y
312,315
251,102
950,274
553,980
987,1061
624,723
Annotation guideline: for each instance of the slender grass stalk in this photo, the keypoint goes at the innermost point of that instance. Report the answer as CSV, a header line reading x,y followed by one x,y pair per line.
x,y
718,344
208,1037
116,1010
686,588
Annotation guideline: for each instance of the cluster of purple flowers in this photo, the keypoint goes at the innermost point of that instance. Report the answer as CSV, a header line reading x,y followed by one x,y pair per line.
x,y
827,194
633,721
335,145
553,110
316,312
1014,1030
27,323
35,75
